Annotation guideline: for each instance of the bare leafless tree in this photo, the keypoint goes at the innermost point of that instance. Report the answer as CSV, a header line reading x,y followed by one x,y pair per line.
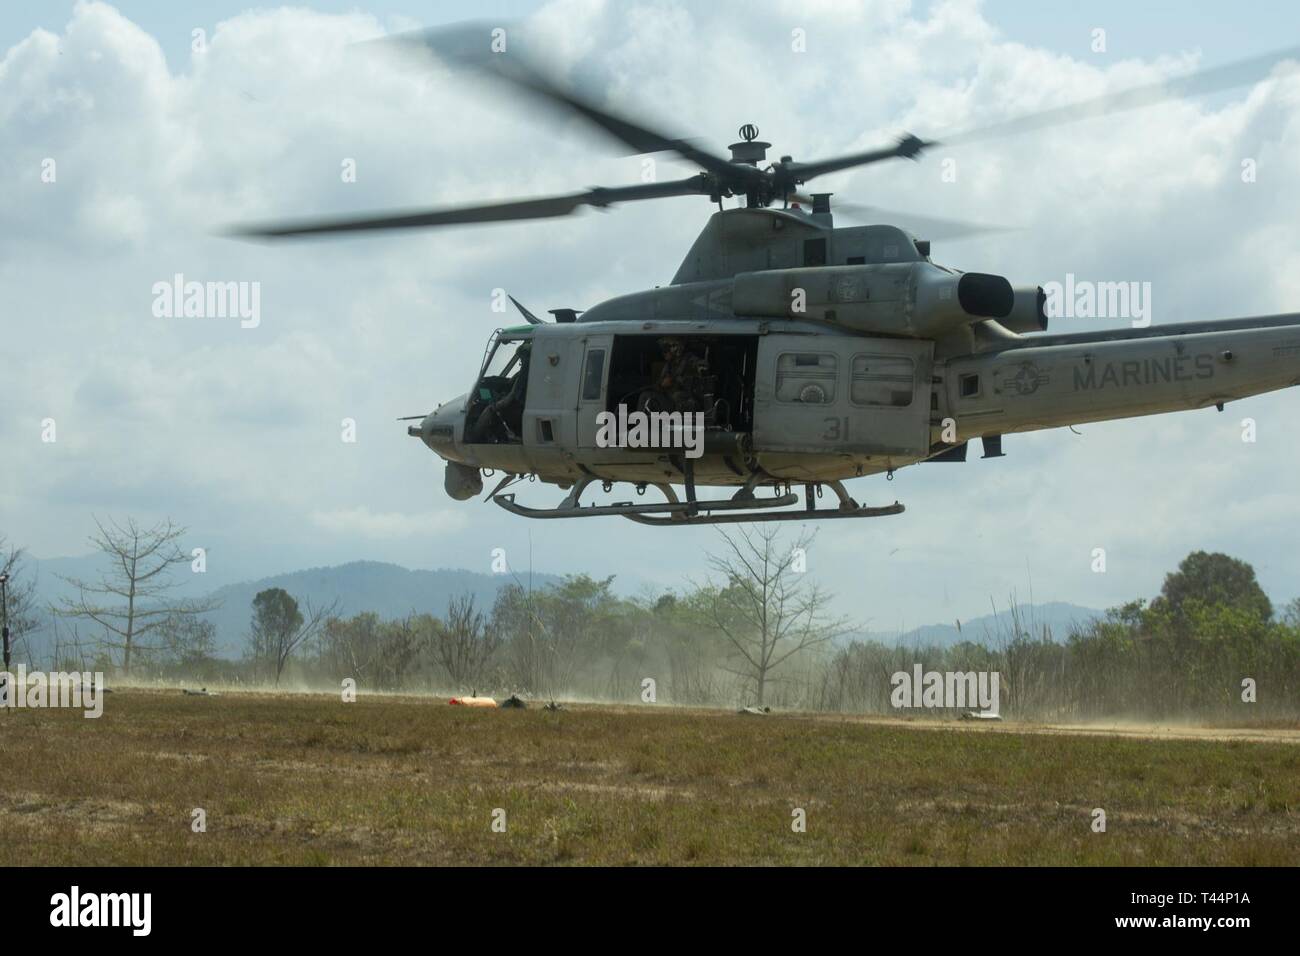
x,y
19,612
69,651
132,600
351,646
402,645
465,641
764,606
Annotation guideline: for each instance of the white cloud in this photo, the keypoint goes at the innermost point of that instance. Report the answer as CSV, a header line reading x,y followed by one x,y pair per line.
x,y
236,432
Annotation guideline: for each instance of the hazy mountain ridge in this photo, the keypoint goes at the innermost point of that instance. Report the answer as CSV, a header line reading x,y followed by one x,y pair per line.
x,y
1057,618
390,590
393,591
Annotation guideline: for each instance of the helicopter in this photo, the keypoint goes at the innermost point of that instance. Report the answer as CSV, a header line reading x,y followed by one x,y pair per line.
x,y
787,351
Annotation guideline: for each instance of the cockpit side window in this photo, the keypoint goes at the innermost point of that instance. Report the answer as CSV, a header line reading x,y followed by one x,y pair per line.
x,y
593,375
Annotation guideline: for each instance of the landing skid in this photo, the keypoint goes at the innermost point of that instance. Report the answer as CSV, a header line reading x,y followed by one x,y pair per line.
x,y
805,514
630,510
744,506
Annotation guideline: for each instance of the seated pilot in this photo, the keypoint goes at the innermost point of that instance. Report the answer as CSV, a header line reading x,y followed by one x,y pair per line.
x,y
503,420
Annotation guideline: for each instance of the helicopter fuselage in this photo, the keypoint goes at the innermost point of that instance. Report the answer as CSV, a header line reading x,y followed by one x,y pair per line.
x,y
864,360
940,404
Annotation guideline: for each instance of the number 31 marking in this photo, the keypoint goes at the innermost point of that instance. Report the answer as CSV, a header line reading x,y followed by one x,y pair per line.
x,y
837,429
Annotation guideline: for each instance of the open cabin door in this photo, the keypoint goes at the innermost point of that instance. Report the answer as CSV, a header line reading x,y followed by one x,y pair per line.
x,y
843,394
592,372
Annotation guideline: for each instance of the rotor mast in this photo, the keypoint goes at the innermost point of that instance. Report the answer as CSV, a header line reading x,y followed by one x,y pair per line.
x,y
751,151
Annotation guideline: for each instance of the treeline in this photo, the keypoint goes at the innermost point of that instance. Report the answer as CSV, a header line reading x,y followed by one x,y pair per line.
x,y
1210,645
576,638
1197,650
758,632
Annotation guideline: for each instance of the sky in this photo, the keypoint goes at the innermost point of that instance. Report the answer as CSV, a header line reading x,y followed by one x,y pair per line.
x,y
235,432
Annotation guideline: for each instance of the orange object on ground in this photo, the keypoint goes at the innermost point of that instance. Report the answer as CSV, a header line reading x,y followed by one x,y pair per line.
x,y
473,701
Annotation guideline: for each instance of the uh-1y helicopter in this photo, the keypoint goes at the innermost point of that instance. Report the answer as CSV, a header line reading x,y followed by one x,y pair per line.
x,y
787,351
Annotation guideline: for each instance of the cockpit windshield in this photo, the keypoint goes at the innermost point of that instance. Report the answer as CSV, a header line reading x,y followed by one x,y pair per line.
x,y
496,405
504,358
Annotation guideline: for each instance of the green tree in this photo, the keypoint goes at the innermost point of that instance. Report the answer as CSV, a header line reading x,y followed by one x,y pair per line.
x,y
278,628
1291,615
1212,579
553,635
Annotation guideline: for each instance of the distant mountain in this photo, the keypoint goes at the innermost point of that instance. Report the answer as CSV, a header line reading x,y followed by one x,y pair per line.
x,y
391,591
53,574
1057,618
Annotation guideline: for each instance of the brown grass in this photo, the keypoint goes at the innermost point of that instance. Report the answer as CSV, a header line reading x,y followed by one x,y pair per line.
x,y
301,779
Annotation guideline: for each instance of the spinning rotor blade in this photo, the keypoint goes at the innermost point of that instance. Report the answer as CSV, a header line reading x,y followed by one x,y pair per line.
x,y
469,45
922,226
1200,83
544,208
1213,80
909,147
473,46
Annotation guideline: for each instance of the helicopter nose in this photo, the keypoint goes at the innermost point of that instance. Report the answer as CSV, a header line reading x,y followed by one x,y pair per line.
x,y
442,429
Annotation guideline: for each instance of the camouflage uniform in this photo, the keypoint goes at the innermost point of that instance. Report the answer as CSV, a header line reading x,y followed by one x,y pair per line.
x,y
682,378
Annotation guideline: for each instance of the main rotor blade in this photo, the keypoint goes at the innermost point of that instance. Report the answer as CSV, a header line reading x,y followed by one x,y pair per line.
x,y
543,208
1200,83
469,45
908,147
922,226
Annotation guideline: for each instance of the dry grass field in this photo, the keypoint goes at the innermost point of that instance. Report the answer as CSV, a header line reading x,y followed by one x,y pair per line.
x,y
306,779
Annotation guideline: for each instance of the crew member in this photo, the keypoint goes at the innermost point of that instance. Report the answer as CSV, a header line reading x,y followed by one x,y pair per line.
x,y
503,420
682,378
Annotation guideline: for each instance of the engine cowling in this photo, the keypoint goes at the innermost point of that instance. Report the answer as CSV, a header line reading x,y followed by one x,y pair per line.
x,y
905,298
1030,311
